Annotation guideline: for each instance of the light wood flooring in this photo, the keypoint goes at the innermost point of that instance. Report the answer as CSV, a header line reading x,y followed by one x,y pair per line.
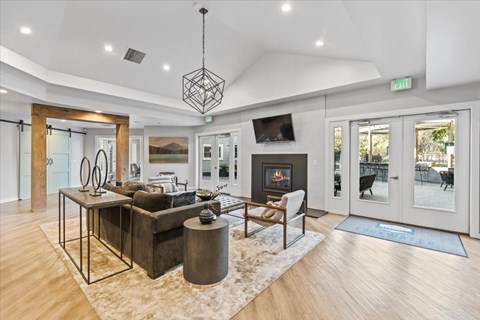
x,y
347,276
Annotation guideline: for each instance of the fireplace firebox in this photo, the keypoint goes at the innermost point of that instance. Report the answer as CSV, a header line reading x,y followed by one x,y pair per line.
x,y
277,177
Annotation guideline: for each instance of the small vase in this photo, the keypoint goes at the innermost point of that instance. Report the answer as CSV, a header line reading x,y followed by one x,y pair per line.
x,y
206,216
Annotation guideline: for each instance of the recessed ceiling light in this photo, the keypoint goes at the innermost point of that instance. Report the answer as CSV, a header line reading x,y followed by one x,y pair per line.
x,y
319,43
166,67
108,48
25,30
3,91
98,111
286,7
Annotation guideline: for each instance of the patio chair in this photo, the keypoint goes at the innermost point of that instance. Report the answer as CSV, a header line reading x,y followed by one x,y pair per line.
x,y
268,215
366,183
447,179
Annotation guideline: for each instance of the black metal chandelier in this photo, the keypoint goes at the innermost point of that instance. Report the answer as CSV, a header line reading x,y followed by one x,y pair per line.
x,y
203,89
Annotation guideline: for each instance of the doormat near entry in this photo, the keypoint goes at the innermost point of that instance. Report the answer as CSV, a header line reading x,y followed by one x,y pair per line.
x,y
414,236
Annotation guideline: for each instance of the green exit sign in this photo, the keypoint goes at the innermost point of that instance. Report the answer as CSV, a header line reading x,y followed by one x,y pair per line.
x,y
401,84
208,119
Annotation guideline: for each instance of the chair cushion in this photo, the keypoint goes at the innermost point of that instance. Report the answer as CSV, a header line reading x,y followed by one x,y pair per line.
x,y
162,179
183,198
293,202
152,201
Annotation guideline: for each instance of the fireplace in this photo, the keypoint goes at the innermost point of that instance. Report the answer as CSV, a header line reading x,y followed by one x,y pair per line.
x,y
277,177
291,165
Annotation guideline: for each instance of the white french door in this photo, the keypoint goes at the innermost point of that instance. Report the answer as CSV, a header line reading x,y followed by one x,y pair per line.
x,y
219,162
413,169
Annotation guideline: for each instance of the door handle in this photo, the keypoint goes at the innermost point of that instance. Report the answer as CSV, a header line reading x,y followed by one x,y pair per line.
x,y
394,177
51,160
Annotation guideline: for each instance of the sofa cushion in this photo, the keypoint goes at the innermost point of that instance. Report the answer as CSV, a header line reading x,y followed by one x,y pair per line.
x,y
134,186
183,198
110,187
152,201
169,187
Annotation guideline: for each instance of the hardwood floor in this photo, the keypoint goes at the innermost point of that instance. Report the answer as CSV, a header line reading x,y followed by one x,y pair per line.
x,y
347,276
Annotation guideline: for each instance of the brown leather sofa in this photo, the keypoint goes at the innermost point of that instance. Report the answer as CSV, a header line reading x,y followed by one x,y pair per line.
x,y
157,229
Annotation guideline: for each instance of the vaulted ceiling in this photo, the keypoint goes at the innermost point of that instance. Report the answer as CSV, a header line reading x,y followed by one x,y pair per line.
x,y
263,53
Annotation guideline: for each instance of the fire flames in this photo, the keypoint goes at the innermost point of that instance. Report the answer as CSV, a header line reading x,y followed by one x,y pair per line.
x,y
278,176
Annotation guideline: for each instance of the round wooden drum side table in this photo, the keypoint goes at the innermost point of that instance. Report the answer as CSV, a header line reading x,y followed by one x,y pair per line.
x,y
205,251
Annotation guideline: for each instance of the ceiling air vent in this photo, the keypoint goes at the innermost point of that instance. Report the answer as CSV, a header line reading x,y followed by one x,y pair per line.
x,y
134,55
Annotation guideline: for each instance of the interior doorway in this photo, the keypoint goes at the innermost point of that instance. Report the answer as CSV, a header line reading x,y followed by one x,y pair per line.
x,y
403,169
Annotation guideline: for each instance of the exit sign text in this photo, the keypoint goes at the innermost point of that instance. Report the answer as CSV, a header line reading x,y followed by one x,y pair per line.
x,y
401,84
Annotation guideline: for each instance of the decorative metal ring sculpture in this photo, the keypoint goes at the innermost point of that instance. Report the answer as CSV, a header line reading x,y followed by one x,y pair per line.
x,y
96,177
101,151
82,171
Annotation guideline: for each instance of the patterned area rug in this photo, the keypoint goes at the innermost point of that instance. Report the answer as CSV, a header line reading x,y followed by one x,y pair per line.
x,y
254,264
415,236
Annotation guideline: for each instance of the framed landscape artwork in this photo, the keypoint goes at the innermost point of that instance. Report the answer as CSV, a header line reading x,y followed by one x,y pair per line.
x,y
168,149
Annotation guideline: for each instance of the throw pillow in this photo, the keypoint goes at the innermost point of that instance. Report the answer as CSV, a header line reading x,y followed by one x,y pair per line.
x,y
184,198
274,214
152,201
270,212
110,187
169,187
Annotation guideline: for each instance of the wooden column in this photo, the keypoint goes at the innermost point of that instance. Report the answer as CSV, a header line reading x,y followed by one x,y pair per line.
x,y
122,147
39,162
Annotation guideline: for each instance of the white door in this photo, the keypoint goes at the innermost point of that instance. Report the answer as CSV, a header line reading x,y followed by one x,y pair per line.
x,y
58,161
436,162
416,167
376,150
218,163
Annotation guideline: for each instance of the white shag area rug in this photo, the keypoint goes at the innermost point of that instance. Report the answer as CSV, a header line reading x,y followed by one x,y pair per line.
x,y
254,264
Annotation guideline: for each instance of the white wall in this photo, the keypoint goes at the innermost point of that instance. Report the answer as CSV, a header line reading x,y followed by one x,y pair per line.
x,y
8,162
308,125
380,99
182,170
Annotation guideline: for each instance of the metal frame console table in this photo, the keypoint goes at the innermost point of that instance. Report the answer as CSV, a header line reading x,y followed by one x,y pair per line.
x,y
90,204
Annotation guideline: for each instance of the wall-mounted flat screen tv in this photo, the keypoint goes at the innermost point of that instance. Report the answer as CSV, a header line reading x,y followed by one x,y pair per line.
x,y
274,129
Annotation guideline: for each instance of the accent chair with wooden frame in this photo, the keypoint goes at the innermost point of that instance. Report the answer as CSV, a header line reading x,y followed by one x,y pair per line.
x,y
290,205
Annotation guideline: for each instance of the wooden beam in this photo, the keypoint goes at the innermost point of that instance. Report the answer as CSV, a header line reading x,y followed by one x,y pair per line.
x,y
39,163
122,146
40,113
77,115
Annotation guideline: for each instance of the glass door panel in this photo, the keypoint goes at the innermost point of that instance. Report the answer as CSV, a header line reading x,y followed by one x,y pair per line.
x,y
375,167
206,159
373,141
437,166
223,162
434,164
337,162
